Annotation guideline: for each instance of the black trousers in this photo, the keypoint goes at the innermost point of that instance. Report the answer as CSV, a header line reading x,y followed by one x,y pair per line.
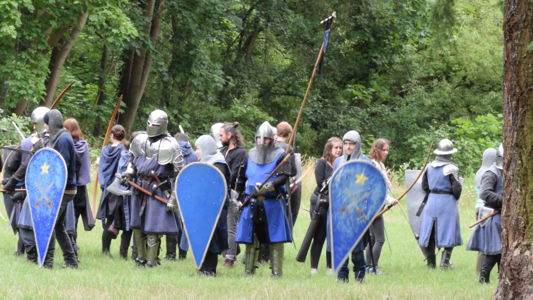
x,y
320,237
209,267
60,233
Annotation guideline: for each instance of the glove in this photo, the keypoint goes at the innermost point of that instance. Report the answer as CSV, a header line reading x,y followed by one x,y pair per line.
x,y
10,185
235,206
123,179
18,197
391,200
267,187
172,204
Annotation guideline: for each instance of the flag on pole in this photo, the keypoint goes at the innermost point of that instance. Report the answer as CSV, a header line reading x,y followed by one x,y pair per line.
x,y
327,25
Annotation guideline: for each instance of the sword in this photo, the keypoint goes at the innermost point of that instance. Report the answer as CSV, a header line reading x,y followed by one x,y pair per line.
x,y
489,216
181,129
17,190
18,130
1,215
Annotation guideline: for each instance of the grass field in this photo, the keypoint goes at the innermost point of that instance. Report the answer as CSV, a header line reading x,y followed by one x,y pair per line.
x,y
103,277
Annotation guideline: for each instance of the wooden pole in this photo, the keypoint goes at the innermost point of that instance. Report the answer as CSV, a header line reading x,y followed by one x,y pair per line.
x,y
412,184
61,95
108,132
489,216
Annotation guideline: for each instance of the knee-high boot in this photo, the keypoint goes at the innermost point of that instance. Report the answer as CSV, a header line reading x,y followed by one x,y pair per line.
x,y
152,243
250,259
276,258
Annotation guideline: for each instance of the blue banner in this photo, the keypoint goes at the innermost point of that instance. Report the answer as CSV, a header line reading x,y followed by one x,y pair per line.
x,y
201,190
46,177
357,193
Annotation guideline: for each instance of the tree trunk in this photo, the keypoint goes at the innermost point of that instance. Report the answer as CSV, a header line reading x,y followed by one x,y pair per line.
x,y
55,72
137,67
516,272
101,88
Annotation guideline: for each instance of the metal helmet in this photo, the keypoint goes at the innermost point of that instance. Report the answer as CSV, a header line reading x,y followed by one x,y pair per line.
x,y
445,147
264,131
37,117
157,123
215,134
499,158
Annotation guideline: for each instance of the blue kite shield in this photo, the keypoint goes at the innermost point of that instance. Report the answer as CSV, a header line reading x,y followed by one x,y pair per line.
x,y
46,178
201,190
357,193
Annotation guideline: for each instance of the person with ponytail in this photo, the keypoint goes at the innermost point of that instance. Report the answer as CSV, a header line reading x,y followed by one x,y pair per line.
x,y
113,209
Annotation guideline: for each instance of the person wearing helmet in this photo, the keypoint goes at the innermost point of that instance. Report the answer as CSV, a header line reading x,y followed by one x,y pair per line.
x,y
264,219
440,221
487,237
156,156
22,219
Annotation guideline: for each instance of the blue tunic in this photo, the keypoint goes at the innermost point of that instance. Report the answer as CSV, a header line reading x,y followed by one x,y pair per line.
x,y
487,239
279,230
155,219
441,211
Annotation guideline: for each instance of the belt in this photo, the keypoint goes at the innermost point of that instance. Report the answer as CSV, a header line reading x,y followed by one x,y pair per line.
x,y
441,192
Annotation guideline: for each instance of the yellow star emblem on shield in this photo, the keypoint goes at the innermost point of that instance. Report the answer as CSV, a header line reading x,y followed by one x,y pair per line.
x,y
361,178
44,168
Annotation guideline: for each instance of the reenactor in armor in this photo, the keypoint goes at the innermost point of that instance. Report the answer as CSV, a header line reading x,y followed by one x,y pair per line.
x,y
156,161
440,221
264,219
22,219
487,237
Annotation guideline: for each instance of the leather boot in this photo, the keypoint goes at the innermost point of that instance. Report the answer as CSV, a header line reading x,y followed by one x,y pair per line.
x,y
172,245
123,253
484,277
152,242
432,261
31,254
276,258
250,260
182,254
445,260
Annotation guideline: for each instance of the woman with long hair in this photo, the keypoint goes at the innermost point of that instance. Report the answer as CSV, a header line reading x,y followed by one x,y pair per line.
x,y
80,205
114,210
378,154
323,171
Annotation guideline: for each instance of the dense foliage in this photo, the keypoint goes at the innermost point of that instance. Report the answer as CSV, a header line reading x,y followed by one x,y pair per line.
x,y
412,71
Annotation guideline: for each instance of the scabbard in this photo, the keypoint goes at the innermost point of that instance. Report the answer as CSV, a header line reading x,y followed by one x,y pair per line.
x,y
143,190
422,205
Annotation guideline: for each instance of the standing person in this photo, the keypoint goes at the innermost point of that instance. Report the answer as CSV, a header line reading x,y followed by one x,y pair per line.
x,y
323,171
172,241
62,142
235,155
23,221
352,150
264,218
207,152
489,157
440,221
114,209
156,157
487,237
378,154
284,131
80,203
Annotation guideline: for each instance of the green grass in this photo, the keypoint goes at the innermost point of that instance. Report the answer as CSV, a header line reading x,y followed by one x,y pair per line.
x,y
102,277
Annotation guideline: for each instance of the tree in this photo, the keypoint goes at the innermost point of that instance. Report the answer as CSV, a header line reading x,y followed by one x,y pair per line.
x,y
517,226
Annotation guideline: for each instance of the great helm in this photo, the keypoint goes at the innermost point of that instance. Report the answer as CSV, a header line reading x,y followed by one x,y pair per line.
x,y
215,133
264,131
37,117
445,147
499,158
157,123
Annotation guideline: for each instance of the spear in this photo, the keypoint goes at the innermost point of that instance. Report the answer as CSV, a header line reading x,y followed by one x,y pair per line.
x,y
334,15
61,95
412,184
103,145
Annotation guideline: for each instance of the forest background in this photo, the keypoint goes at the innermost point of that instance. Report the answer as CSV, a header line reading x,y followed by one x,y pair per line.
x,y
412,71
